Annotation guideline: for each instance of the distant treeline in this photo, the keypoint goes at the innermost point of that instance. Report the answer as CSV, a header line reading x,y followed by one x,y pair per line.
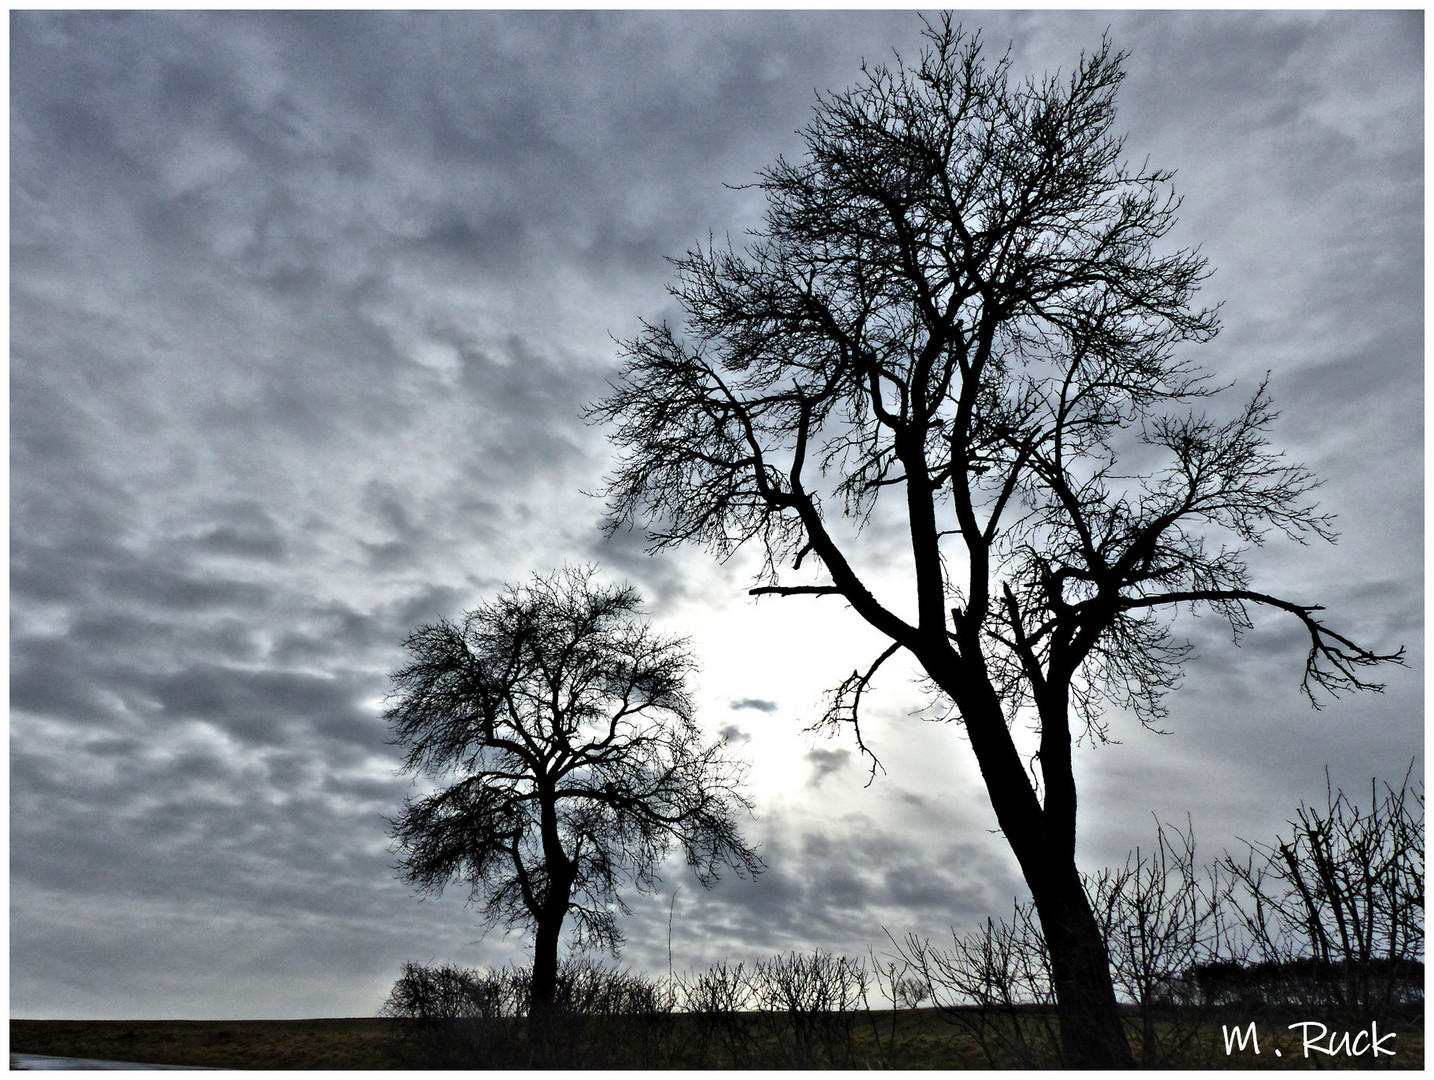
x,y
1374,985
794,1011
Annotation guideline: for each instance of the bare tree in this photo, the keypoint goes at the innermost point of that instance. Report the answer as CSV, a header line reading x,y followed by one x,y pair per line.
x,y
1337,910
959,301
560,728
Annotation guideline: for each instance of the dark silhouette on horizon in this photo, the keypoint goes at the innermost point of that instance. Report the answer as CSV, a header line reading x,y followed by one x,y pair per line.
x,y
559,728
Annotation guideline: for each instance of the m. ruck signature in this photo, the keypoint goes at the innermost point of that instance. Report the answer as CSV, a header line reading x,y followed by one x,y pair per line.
x,y
1315,1037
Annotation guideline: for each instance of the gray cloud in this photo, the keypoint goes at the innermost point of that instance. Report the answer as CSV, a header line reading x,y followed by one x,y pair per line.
x,y
825,763
757,704
835,882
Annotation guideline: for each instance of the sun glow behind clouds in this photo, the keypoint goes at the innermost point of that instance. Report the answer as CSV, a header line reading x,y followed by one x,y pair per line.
x,y
774,651
791,652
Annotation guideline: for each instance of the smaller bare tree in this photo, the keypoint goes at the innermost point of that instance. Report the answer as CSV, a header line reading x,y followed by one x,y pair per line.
x,y
995,985
560,730
1163,919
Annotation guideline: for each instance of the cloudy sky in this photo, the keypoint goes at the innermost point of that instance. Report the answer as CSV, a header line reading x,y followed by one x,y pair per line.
x,y
304,309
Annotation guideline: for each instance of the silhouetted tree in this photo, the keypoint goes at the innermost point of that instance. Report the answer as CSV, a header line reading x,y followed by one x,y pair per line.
x,y
560,728
957,302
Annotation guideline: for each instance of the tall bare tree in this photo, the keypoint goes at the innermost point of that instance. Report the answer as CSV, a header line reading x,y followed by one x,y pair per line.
x,y
560,729
960,302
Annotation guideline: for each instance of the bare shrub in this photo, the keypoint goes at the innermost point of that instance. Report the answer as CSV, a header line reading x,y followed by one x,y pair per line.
x,y
1163,919
818,996
610,1019
603,1018
903,992
995,985
719,1002
459,1015
1335,913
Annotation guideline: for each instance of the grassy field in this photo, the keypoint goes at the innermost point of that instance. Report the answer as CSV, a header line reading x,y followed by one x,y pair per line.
x,y
911,1039
234,1044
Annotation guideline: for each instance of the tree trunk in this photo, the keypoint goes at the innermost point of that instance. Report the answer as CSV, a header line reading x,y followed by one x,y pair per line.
x,y
1092,1035
545,960
543,991
552,909
1043,840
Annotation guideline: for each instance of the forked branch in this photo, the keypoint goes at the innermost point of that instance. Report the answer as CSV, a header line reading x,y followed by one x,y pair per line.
x,y
845,707
1333,662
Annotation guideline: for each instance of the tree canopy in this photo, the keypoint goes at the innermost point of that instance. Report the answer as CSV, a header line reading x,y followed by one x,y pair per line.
x,y
560,730
961,298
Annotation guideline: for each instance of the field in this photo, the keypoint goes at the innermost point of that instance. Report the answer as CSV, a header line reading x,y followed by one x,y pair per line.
x,y
912,1039
235,1044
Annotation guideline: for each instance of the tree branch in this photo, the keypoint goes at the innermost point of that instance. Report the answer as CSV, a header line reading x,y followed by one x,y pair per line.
x,y
795,590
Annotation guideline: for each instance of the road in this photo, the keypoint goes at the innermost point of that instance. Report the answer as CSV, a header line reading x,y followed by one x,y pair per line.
x,y
41,1061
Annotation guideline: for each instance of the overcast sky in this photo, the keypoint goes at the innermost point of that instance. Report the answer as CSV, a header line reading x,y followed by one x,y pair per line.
x,y
304,309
